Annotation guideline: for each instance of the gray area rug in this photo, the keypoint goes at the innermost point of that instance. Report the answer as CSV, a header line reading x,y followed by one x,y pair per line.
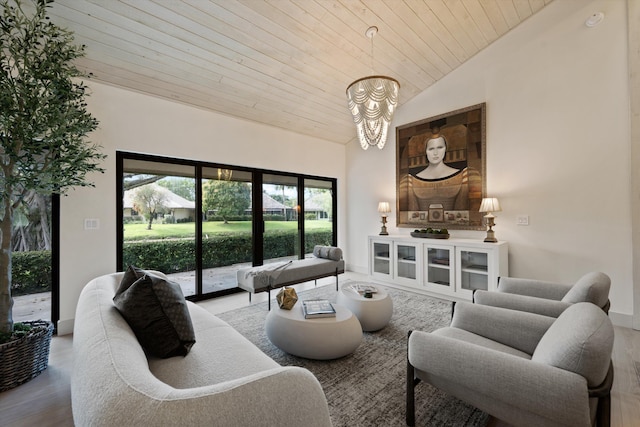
x,y
367,388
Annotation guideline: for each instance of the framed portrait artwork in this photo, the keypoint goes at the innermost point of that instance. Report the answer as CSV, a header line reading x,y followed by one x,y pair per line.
x,y
440,170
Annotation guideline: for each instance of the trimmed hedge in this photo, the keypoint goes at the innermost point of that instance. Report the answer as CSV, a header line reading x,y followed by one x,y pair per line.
x,y
30,272
178,255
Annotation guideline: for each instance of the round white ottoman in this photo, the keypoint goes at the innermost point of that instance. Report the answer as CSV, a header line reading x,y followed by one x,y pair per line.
x,y
321,339
374,313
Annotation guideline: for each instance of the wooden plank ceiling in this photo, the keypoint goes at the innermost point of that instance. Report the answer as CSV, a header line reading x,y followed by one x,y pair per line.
x,y
285,63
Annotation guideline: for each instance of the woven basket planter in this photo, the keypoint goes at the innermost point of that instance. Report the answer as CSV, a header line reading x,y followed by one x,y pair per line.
x,y
23,359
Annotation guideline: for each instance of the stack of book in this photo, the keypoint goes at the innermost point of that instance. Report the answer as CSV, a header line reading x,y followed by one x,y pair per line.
x,y
317,308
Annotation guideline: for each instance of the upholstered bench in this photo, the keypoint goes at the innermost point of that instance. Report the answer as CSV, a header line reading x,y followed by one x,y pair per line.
x,y
326,261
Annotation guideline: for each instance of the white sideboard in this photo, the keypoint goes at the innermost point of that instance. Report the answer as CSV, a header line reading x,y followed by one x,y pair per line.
x,y
453,267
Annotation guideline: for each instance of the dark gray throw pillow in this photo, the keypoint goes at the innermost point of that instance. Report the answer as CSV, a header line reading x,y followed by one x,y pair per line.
x,y
157,312
132,274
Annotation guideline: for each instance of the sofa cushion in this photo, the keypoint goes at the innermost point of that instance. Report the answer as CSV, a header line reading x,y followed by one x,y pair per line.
x,y
327,252
131,275
230,355
592,287
156,311
580,341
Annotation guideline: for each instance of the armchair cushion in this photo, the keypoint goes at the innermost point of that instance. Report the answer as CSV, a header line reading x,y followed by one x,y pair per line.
x,y
471,338
580,341
533,287
543,306
592,287
516,329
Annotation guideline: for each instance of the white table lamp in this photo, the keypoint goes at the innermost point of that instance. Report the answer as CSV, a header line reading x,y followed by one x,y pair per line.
x,y
490,205
384,209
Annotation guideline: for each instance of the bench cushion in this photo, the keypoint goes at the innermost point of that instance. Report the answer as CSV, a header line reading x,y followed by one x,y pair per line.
x,y
297,271
328,252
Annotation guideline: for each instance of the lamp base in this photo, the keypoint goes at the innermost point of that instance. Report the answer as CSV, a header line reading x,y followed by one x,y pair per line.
x,y
491,236
383,230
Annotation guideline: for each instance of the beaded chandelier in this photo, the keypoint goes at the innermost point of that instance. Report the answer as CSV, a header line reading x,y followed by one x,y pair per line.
x,y
372,102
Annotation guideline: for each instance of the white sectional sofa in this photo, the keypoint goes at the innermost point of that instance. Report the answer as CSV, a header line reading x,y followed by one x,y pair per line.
x,y
223,381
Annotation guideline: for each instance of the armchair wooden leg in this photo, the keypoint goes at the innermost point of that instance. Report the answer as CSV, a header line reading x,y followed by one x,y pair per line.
x,y
411,409
603,415
411,384
603,394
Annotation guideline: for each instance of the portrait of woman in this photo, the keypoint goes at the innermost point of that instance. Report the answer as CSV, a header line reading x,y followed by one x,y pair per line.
x,y
440,179
437,168
438,186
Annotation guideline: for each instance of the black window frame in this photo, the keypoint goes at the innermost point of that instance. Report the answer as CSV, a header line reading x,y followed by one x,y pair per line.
x,y
257,211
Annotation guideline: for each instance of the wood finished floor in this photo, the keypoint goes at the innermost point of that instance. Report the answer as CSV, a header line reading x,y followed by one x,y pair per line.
x,y
46,400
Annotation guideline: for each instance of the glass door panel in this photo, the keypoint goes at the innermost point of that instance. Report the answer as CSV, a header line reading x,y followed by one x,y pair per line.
x,y
226,227
406,261
32,266
381,258
280,208
159,220
439,266
474,269
318,209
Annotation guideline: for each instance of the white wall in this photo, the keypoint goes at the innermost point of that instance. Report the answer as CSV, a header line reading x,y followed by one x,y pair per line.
x,y
558,147
133,122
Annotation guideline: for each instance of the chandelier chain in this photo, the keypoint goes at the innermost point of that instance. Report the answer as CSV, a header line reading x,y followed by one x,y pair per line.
x,y
372,35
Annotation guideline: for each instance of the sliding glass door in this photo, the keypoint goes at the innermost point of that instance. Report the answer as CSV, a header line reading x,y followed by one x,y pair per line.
x,y
199,223
318,214
227,226
159,219
281,237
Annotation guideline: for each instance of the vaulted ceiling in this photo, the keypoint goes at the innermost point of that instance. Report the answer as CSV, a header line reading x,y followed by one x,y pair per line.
x,y
285,63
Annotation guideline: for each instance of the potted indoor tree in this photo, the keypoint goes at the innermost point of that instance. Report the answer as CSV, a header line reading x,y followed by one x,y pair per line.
x,y
44,124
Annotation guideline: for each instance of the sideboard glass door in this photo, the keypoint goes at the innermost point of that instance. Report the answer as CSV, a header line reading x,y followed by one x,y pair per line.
x,y
439,269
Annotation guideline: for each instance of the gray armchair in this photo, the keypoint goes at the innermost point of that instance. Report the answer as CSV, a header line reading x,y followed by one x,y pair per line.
x,y
522,368
547,298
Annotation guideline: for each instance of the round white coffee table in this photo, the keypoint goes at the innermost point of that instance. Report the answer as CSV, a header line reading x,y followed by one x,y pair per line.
x,y
321,339
374,313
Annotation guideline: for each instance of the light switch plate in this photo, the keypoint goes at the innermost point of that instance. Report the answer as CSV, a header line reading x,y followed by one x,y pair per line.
x,y
91,223
522,220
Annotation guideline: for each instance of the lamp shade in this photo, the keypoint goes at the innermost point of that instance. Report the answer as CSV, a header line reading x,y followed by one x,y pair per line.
x,y
490,204
383,207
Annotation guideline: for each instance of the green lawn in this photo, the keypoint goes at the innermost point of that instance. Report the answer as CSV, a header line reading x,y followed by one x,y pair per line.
x,y
168,231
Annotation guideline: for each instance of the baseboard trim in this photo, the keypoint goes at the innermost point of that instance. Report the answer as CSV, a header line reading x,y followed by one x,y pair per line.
x,y
65,327
621,319
356,269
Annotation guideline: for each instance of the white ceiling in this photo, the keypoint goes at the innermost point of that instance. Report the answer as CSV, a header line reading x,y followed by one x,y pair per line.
x,y
285,63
